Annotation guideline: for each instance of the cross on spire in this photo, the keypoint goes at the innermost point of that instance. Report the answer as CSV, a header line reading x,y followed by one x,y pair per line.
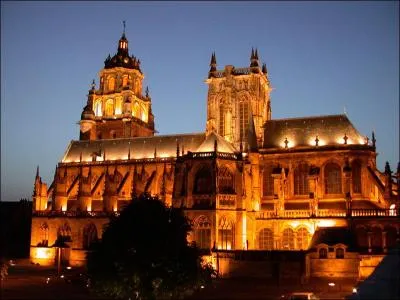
x,y
124,23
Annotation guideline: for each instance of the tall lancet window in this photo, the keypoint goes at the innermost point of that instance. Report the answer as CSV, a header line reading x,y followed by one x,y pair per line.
x,y
243,119
221,122
97,109
301,180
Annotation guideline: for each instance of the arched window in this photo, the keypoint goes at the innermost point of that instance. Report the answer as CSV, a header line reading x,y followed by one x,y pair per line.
x,y
64,233
203,181
89,235
376,238
125,80
225,181
356,176
301,180
118,106
97,108
243,119
303,238
136,110
226,234
202,232
268,182
323,253
143,113
44,235
362,238
111,83
391,236
266,239
221,121
339,253
288,239
333,179
109,108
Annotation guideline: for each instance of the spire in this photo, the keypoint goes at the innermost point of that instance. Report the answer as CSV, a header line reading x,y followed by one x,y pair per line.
x,y
213,66
147,92
254,59
123,43
388,171
373,139
37,171
264,69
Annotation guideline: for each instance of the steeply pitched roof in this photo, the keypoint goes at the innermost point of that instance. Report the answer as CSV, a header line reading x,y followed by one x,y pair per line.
x,y
332,236
222,144
136,148
330,129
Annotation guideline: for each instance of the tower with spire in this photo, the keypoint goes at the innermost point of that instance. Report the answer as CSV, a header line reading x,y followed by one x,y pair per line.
x,y
234,94
118,108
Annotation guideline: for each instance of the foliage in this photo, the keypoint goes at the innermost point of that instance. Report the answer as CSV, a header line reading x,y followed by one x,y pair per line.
x,y
144,254
3,269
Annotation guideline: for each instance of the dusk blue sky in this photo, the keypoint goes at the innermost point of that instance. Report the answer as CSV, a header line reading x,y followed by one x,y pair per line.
x,y
321,57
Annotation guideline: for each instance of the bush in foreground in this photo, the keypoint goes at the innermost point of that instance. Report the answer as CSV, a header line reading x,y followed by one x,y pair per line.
x,y
144,254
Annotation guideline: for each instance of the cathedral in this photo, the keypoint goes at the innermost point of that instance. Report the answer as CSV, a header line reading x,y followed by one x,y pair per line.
x,y
248,182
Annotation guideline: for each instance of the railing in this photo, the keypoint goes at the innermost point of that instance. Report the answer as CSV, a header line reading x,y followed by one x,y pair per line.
x,y
212,154
201,154
226,201
296,213
241,71
328,213
54,213
374,213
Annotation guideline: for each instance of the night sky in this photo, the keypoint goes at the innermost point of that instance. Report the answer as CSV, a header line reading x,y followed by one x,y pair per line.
x,y
322,58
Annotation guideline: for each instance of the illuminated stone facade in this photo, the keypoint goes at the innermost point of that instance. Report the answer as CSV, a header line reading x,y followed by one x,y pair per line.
x,y
249,182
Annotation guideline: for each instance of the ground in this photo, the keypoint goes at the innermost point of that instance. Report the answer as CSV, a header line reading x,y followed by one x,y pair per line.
x,y
27,281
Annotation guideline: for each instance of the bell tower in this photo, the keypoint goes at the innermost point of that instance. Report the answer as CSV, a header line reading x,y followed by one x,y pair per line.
x,y
118,108
236,98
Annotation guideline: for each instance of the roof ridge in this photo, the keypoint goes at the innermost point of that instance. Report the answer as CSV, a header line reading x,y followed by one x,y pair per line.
x,y
143,137
310,117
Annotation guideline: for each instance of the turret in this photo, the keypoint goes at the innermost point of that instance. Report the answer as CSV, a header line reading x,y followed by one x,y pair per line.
x,y
254,65
39,196
87,123
388,182
213,66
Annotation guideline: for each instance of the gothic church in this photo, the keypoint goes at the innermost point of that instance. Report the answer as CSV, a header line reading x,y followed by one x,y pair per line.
x,y
249,182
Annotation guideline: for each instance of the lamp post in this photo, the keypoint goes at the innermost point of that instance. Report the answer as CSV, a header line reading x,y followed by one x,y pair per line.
x,y
58,261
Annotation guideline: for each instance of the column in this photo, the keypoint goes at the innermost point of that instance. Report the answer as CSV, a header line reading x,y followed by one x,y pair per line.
x,y
369,241
384,246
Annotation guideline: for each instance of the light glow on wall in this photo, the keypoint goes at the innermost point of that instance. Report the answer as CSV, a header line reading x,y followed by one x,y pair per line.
x,y
294,224
321,141
64,207
326,223
256,206
244,230
43,253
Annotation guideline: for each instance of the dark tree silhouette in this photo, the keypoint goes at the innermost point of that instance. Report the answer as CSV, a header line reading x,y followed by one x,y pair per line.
x,y
144,254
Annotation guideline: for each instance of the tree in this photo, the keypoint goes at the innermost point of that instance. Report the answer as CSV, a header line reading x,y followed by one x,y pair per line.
x,y
144,254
